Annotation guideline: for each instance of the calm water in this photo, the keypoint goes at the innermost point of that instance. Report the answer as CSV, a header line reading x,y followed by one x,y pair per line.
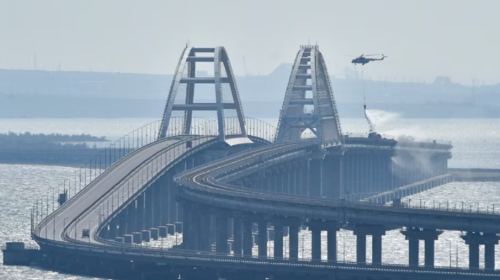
x,y
475,145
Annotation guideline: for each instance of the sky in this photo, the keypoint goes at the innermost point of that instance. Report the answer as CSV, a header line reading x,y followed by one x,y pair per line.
x,y
422,38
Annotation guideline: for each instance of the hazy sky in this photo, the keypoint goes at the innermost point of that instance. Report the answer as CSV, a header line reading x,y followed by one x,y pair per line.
x,y
422,39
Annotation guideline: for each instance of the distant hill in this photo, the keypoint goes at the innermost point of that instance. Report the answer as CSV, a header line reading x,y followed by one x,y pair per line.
x,y
25,93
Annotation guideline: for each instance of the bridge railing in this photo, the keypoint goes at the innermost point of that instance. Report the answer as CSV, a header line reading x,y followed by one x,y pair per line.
x,y
115,151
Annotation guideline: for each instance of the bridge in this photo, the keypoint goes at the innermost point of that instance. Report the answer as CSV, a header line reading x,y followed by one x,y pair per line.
x,y
227,187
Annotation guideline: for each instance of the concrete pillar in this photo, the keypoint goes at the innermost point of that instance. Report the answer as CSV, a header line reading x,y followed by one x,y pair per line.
x,y
221,234
293,179
171,228
304,175
154,233
429,252
489,256
316,243
140,212
376,231
361,248
162,231
194,233
131,218
332,245
413,235
315,177
413,251
237,236
137,237
146,235
187,224
278,240
294,242
376,249
127,238
474,256
148,208
262,242
247,237
474,239
204,237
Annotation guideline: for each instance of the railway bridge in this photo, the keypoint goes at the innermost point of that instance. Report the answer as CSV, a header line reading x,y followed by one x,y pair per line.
x,y
220,191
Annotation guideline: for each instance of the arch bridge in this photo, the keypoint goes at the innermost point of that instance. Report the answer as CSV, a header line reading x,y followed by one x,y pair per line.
x,y
223,196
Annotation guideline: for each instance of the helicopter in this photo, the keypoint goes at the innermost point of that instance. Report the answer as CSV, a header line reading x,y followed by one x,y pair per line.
x,y
364,60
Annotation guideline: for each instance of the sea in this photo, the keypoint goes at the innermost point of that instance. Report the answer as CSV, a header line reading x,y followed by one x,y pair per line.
x,y
476,144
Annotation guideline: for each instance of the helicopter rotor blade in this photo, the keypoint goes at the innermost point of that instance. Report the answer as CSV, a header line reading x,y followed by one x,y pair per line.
x,y
373,54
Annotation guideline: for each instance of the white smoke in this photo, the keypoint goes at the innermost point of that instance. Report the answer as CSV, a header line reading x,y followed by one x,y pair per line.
x,y
379,118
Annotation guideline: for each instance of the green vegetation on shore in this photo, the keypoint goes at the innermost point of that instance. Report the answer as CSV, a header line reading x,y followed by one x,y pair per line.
x,y
15,141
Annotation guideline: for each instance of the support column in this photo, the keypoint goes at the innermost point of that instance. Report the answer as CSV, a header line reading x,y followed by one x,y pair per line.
x,y
187,226
316,244
205,232
361,248
238,234
413,251
489,256
315,177
489,240
221,234
376,231
304,174
131,218
195,230
247,237
262,239
429,252
332,245
294,242
140,213
413,235
376,249
332,177
278,240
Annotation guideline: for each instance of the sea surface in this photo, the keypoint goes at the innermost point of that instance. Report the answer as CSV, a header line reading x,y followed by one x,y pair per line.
x,y
476,144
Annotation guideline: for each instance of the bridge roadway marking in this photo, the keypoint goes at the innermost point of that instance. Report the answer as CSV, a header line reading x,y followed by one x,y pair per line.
x,y
84,205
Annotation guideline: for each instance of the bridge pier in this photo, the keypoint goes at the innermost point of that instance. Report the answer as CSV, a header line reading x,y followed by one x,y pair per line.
x,y
376,231
140,212
316,226
204,232
187,223
247,237
221,233
489,240
278,240
237,236
315,177
122,223
262,238
131,218
148,208
413,235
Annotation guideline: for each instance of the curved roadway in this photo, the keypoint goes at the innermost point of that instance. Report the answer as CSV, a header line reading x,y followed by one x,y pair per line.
x,y
210,184
110,190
